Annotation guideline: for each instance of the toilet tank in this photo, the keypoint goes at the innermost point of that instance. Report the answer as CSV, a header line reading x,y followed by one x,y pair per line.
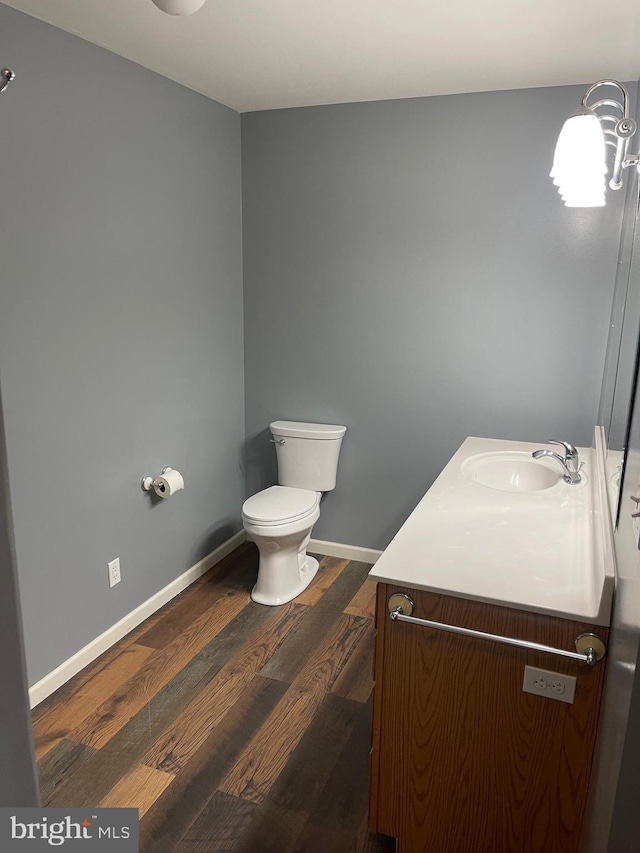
x,y
307,454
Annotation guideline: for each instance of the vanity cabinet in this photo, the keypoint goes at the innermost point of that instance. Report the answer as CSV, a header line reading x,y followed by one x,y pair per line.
x,y
464,761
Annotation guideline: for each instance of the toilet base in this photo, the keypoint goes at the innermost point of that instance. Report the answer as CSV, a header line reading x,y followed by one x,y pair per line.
x,y
263,594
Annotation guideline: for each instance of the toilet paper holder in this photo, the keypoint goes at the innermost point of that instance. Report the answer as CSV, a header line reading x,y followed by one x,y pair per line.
x,y
148,483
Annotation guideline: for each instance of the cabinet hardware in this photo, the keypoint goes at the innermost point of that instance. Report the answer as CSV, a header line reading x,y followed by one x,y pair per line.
x,y
589,647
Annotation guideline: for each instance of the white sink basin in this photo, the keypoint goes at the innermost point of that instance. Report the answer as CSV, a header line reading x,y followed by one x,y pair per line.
x,y
511,471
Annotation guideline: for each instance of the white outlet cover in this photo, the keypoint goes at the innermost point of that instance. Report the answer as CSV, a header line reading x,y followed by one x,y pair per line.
x,y
114,571
551,685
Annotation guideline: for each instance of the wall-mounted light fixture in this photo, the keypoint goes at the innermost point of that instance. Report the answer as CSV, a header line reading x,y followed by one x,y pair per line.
x,y
179,7
580,161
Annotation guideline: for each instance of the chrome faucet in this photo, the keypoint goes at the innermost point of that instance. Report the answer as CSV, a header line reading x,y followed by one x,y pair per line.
x,y
571,464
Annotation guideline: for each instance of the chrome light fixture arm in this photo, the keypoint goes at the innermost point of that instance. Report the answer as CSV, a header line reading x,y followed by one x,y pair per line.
x,y
625,96
623,130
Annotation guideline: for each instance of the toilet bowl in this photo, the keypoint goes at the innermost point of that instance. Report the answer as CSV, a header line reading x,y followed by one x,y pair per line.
x,y
279,520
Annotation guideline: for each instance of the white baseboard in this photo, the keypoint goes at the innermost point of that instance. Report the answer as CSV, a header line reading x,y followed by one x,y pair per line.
x,y
47,685
59,676
347,552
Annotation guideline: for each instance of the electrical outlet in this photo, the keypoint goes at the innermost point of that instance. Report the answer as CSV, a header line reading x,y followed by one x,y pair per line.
x,y
553,685
114,571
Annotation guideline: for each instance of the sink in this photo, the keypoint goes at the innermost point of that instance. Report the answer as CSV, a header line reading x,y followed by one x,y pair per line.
x,y
511,471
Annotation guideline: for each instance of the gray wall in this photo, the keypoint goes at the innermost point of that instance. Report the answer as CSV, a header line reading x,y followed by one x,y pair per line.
x,y
120,329
410,271
18,784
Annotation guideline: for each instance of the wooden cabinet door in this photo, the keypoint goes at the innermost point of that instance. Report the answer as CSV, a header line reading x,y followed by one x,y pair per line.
x,y
463,761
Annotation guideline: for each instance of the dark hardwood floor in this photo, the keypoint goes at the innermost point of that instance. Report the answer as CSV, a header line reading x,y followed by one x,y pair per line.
x,y
233,727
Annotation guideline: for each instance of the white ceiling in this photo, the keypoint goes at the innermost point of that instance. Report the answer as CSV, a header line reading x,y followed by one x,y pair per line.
x,y
266,54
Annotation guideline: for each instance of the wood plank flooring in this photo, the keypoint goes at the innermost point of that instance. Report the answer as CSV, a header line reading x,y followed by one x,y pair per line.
x,y
232,727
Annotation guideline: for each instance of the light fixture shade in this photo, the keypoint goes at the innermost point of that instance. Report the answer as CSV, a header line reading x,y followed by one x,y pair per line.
x,y
579,164
179,7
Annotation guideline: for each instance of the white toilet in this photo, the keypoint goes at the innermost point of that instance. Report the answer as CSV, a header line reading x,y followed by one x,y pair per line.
x,y
280,519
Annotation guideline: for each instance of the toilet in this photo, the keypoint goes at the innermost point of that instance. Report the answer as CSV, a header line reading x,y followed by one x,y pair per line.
x,y
280,519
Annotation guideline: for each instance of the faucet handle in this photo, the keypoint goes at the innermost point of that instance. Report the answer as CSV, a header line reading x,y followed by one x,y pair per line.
x,y
569,449
571,459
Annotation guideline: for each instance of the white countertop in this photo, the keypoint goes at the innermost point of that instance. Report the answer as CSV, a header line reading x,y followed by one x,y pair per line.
x,y
545,552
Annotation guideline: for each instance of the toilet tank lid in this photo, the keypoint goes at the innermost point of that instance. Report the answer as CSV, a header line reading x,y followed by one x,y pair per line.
x,y
305,430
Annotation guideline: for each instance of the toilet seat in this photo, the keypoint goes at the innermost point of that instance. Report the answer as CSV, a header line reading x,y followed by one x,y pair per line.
x,y
279,505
